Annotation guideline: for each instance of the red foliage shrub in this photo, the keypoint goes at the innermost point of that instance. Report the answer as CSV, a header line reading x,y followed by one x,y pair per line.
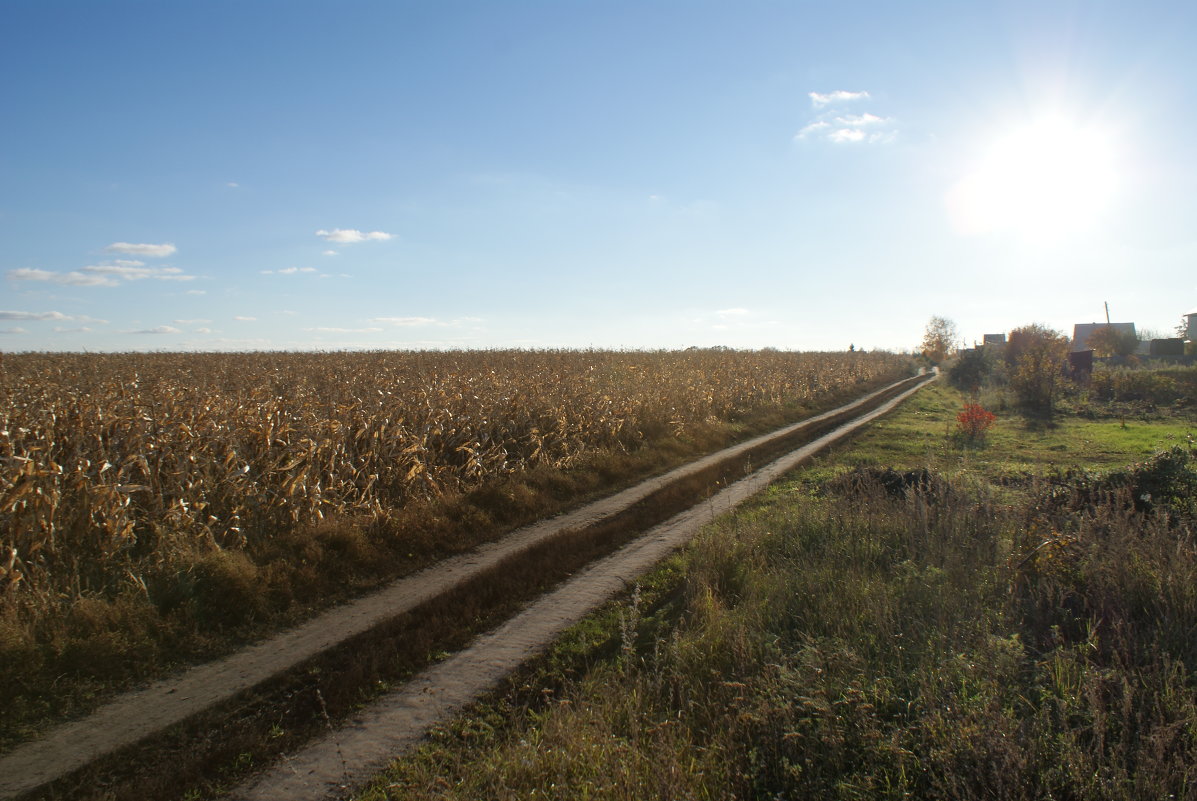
x,y
974,421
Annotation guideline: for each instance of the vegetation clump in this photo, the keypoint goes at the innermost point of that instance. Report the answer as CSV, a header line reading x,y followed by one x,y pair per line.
x,y
973,422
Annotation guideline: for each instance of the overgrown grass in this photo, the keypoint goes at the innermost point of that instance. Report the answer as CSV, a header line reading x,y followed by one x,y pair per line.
x,y
844,639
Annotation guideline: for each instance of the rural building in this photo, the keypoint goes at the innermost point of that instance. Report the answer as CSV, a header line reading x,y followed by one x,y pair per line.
x,y
1080,363
1082,331
1191,332
994,339
1173,346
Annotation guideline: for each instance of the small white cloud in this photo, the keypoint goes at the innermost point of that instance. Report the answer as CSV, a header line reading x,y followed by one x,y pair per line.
x,y
160,329
75,278
814,128
821,99
727,314
841,135
203,330
233,185
131,270
13,331
101,274
858,120
243,319
329,253
20,315
288,271
334,330
152,251
404,321
348,236
58,329
197,291
195,321
833,124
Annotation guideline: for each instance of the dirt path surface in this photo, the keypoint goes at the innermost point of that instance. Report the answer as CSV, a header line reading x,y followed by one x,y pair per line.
x,y
136,716
359,749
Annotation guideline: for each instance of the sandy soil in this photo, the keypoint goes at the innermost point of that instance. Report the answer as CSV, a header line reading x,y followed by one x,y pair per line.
x,y
354,753
135,716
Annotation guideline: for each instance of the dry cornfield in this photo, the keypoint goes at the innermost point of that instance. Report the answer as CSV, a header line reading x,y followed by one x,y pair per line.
x,y
115,463
109,460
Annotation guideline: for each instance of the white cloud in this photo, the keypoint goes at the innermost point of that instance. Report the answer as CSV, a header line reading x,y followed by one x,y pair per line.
x,y
242,319
833,124
195,321
136,271
841,135
861,119
233,185
348,236
728,314
203,330
101,274
288,271
404,321
333,330
159,329
152,251
813,128
197,291
58,329
329,253
13,331
20,315
819,99
74,278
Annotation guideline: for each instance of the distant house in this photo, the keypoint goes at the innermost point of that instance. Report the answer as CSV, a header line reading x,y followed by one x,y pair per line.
x,y
1172,346
1082,331
1191,333
994,339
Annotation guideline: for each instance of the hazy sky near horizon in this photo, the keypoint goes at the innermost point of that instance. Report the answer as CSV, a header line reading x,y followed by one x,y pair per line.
x,y
315,175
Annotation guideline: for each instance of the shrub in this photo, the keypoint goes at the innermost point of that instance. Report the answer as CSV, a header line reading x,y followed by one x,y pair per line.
x,y
970,370
1035,354
974,422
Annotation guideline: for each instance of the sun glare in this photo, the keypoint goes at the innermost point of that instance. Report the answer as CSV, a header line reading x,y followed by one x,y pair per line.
x,y
1046,180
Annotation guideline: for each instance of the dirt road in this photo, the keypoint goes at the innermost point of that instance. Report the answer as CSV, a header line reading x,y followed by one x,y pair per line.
x,y
358,750
136,716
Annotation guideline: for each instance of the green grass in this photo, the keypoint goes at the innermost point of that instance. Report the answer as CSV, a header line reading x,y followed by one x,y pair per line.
x,y
833,641
920,435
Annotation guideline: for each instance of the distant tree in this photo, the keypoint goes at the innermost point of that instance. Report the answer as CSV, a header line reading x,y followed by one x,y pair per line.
x,y
970,370
1110,341
939,339
1182,328
1035,356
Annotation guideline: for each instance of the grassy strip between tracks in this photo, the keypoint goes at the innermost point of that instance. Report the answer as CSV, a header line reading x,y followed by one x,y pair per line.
x,y
1015,622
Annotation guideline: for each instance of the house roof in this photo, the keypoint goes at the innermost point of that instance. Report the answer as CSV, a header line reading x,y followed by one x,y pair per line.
x,y
1082,331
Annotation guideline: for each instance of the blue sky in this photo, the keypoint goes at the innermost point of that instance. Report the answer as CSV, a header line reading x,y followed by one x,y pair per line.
x,y
318,175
